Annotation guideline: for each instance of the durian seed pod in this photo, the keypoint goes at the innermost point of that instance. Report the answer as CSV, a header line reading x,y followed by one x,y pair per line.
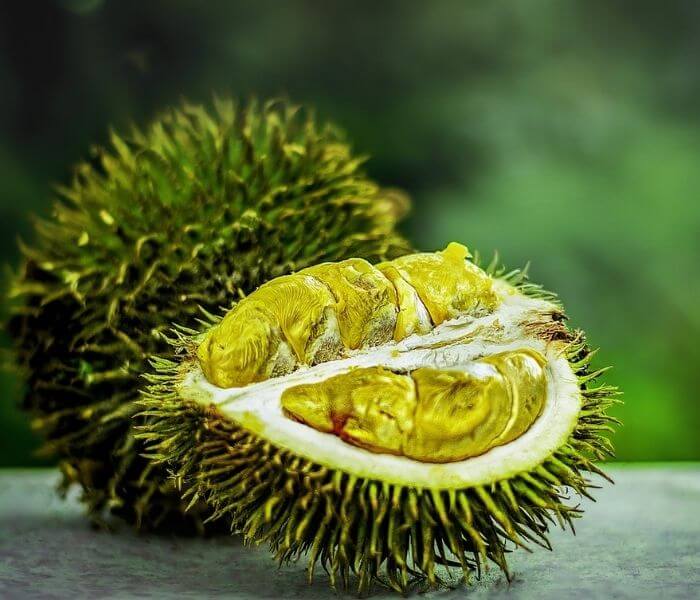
x,y
193,212
385,420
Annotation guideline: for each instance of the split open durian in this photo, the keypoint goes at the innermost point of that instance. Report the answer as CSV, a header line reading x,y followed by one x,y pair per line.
x,y
385,419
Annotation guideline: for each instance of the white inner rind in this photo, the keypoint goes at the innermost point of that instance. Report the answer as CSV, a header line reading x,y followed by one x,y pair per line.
x,y
454,344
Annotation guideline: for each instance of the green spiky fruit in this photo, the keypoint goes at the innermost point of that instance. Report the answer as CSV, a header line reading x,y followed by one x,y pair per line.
x,y
195,211
385,420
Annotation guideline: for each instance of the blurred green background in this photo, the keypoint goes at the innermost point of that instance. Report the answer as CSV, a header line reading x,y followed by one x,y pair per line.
x,y
565,133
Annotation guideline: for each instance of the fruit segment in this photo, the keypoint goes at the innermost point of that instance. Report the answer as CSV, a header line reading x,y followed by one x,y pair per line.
x,y
447,283
429,414
324,311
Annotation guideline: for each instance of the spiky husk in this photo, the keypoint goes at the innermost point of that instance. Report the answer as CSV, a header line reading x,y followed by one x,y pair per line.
x,y
372,530
196,210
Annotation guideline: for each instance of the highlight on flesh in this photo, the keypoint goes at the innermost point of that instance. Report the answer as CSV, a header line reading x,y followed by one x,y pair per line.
x,y
385,420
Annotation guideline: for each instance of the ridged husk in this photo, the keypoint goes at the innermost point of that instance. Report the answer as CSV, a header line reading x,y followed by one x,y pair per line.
x,y
367,529
194,211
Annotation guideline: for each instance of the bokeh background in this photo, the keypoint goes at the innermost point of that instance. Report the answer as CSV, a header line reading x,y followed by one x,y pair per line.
x,y
558,132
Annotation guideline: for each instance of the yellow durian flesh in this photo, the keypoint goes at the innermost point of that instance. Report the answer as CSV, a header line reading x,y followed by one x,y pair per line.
x,y
446,282
323,312
523,373
360,407
241,347
460,415
412,315
365,301
302,305
292,310
429,414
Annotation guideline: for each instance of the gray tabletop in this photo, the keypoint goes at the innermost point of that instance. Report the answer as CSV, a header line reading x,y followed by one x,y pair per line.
x,y
640,540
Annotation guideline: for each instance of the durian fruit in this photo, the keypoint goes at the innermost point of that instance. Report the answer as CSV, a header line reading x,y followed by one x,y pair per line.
x,y
388,420
169,223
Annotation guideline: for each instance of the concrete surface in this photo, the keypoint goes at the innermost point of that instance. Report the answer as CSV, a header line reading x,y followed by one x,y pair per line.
x,y
640,540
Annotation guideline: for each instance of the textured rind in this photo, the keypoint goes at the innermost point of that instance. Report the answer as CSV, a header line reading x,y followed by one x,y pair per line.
x,y
190,213
370,529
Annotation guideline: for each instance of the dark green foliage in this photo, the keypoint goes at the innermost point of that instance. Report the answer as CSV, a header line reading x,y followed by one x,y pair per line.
x,y
192,212
373,530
